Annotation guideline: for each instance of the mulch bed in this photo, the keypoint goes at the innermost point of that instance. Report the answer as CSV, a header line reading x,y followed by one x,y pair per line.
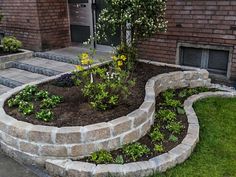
x,y
75,109
2,53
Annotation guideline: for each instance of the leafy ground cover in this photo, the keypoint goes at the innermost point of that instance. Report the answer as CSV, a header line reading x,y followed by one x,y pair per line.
x,y
168,131
215,154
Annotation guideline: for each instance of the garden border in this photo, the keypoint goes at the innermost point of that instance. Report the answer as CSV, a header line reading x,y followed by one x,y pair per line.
x,y
13,57
35,143
141,169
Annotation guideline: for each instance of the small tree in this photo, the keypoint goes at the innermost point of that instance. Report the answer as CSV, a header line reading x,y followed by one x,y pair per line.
x,y
142,18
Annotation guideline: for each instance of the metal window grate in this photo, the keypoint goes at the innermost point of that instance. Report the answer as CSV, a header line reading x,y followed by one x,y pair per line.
x,y
215,61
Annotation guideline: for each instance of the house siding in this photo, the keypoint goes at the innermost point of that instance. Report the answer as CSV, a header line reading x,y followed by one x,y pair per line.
x,y
208,22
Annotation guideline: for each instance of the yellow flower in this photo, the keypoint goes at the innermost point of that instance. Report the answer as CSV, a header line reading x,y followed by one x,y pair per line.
x,y
85,61
120,63
79,68
114,58
123,57
84,56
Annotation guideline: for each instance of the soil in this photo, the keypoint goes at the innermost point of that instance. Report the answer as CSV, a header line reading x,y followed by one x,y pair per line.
x,y
75,109
2,53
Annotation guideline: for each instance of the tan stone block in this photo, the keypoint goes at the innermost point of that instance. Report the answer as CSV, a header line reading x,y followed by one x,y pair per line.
x,y
28,147
131,137
96,132
139,116
53,150
68,135
121,125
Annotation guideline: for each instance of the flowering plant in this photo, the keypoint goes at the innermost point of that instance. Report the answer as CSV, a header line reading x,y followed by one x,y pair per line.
x,y
142,18
106,86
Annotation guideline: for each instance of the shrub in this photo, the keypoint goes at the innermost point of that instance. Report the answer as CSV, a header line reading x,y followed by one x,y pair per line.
x,y
175,127
104,87
166,115
168,94
101,157
135,150
159,148
173,138
26,108
50,102
42,94
11,44
156,135
45,114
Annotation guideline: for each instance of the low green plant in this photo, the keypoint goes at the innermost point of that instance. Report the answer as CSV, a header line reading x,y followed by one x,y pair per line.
x,y
119,159
183,93
173,138
27,93
159,148
166,115
14,101
135,150
168,94
11,44
172,103
50,102
180,110
26,108
101,157
45,114
156,135
42,94
175,127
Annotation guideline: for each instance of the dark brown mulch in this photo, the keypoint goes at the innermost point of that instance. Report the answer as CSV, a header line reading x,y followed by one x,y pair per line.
x,y
75,110
2,53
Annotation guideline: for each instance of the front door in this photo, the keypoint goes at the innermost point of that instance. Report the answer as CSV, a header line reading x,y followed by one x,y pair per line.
x,y
81,20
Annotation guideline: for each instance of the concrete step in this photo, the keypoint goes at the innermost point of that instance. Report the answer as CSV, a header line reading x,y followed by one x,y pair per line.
x,y
56,57
46,65
70,54
4,89
13,77
34,68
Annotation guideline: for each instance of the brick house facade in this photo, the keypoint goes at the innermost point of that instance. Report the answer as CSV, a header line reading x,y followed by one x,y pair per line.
x,y
39,24
45,24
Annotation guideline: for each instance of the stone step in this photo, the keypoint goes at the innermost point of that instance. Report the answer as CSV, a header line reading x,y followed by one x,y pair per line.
x,y
34,68
9,82
4,89
56,57
13,77
55,67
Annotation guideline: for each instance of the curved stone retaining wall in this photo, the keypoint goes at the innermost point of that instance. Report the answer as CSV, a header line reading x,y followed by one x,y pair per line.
x,y
36,143
64,168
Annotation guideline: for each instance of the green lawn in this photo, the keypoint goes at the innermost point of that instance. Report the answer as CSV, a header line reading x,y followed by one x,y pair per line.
x,y
215,154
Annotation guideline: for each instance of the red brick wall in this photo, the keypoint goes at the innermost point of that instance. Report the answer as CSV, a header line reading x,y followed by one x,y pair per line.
x,y
203,22
39,24
21,20
54,23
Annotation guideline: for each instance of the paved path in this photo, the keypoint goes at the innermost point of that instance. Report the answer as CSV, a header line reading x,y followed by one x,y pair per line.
x,y
28,70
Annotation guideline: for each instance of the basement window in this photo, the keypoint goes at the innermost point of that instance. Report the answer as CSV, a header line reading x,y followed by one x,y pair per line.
x,y
214,60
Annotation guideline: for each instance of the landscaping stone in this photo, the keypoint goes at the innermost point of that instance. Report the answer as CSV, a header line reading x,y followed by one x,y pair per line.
x,y
96,132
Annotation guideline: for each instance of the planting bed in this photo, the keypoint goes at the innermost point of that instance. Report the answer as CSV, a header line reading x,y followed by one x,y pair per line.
x,y
38,143
159,134
75,109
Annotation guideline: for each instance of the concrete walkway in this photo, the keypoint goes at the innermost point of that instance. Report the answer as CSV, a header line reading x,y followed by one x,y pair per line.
x,y
21,72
